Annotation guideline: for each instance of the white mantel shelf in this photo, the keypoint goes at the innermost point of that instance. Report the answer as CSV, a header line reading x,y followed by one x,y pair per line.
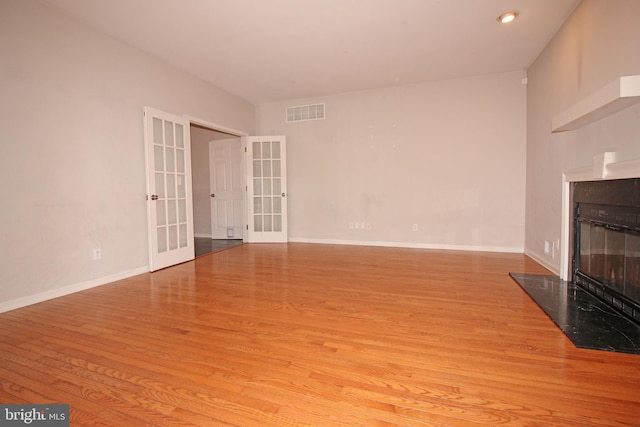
x,y
616,96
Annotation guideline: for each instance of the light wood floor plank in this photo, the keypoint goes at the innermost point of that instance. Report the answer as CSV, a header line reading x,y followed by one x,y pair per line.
x,y
314,335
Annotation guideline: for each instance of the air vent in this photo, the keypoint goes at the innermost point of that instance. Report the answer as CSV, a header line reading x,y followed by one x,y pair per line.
x,y
304,113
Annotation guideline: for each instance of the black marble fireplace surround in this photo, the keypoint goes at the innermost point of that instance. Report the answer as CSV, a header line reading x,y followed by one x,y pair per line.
x,y
606,242
600,307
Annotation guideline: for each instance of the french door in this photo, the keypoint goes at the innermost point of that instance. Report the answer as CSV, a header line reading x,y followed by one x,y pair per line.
x,y
169,192
266,188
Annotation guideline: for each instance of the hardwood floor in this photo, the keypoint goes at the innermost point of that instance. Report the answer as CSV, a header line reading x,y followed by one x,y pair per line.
x,y
302,334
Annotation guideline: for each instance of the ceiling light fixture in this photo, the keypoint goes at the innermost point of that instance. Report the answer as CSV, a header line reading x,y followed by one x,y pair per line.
x,y
507,17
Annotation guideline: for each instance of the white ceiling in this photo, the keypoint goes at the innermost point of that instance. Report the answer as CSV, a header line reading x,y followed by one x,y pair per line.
x,y
267,50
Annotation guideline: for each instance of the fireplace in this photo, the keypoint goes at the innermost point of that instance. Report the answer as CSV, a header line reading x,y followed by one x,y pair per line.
x,y
606,242
595,298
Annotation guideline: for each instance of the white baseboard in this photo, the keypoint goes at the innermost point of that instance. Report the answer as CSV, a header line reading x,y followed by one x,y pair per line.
x,y
207,236
409,245
70,289
543,262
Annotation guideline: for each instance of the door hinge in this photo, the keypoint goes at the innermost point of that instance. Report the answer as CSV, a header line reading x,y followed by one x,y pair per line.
x,y
245,149
247,227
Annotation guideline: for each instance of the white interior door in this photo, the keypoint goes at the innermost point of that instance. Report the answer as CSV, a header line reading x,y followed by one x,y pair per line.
x,y
169,192
227,186
266,188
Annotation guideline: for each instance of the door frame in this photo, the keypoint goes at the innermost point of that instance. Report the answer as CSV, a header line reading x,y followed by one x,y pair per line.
x,y
233,133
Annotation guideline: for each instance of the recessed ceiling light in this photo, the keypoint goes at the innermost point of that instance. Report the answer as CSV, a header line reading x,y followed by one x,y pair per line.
x,y
507,17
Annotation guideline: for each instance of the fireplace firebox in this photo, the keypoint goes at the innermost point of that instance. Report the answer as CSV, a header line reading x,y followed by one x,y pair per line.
x,y
606,236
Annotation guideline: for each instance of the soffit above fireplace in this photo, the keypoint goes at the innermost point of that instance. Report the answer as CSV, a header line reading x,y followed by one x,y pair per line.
x,y
616,96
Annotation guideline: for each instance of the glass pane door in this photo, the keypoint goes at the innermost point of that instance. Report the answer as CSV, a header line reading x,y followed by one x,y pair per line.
x,y
168,189
267,189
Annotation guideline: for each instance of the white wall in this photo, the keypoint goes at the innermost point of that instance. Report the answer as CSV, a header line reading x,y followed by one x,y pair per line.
x,y
448,156
71,150
599,43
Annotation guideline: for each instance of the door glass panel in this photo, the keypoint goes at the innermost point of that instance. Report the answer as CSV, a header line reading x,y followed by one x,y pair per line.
x,y
266,167
157,131
168,134
268,223
171,186
162,239
256,150
171,161
277,189
277,205
266,150
614,260
180,160
179,136
182,191
584,259
161,212
277,223
597,240
182,211
276,168
257,168
158,156
172,214
183,235
257,223
266,187
257,187
267,205
275,148
257,205
173,237
160,185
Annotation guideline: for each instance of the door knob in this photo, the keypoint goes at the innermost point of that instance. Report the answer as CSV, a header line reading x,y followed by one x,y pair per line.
x,y
213,195
154,197
283,194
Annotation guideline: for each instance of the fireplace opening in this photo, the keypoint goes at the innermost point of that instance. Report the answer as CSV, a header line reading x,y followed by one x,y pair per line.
x,y
606,236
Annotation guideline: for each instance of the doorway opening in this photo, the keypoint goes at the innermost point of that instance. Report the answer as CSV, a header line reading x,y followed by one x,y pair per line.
x,y
218,203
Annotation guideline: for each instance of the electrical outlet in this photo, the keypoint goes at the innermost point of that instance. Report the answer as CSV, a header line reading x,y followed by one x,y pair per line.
x,y
546,247
97,254
369,226
415,227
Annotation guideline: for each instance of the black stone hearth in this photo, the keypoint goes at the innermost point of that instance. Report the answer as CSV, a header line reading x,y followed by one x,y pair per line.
x,y
587,321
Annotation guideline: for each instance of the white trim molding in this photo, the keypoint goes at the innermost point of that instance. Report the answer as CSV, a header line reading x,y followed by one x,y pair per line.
x,y
409,245
70,289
